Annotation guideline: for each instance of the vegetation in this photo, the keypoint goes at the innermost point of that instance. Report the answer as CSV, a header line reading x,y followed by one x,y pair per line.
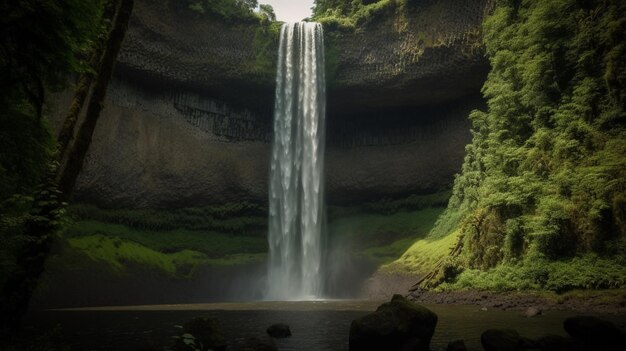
x,y
383,231
542,192
177,242
230,10
43,43
349,14
242,218
585,272
174,242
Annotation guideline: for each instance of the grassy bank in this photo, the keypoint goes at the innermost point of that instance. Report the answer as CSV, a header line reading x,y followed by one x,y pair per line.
x,y
178,242
173,242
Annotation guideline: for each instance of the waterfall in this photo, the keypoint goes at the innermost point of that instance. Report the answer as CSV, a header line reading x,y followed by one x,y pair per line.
x,y
297,166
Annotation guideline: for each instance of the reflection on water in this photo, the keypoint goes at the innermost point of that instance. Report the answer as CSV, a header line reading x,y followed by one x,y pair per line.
x,y
316,325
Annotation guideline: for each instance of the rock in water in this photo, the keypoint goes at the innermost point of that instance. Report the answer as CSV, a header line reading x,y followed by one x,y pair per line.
x,y
279,330
206,332
533,311
395,325
501,340
594,333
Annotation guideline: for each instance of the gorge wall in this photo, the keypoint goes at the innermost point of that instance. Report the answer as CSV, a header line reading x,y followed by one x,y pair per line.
x,y
187,119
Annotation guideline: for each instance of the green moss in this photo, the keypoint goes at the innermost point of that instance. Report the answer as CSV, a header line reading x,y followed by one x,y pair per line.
x,y
210,243
120,254
423,255
176,252
382,237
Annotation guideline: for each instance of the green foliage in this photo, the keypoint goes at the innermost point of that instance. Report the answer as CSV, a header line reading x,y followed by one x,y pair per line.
x,y
545,173
212,244
266,40
242,218
42,43
268,12
26,145
585,272
229,10
176,242
178,253
339,14
389,206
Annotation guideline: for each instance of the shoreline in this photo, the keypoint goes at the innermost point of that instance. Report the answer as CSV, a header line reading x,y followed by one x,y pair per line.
x,y
532,302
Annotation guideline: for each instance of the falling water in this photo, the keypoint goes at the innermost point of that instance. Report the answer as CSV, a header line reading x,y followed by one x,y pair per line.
x,y
297,165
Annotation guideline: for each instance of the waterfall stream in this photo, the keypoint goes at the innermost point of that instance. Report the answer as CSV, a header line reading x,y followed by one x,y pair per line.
x,y
296,199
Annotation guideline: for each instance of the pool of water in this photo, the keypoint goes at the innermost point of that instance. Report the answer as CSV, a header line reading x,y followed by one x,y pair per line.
x,y
315,325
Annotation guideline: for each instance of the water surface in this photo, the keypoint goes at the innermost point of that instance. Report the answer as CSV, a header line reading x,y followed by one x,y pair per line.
x,y
316,325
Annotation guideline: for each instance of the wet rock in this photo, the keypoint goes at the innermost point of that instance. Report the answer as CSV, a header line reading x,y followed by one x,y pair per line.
x,y
395,325
279,330
457,345
557,343
501,340
201,334
264,343
595,333
533,311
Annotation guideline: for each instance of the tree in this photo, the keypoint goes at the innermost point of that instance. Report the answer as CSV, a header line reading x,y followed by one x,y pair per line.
x,y
76,157
267,11
48,206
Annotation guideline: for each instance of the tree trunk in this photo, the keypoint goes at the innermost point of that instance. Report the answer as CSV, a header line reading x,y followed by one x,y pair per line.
x,y
76,157
84,82
48,205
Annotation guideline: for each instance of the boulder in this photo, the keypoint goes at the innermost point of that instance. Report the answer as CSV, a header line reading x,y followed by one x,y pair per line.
x,y
533,311
501,340
279,330
457,345
595,333
395,325
201,334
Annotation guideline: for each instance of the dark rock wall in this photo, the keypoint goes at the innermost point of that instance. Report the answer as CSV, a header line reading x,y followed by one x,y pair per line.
x,y
188,117
174,149
423,54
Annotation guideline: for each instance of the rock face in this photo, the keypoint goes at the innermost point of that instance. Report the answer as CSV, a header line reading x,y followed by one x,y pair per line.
x,y
169,149
424,53
395,325
188,118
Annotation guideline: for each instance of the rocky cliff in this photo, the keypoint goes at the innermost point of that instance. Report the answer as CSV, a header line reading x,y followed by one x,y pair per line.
x,y
187,119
